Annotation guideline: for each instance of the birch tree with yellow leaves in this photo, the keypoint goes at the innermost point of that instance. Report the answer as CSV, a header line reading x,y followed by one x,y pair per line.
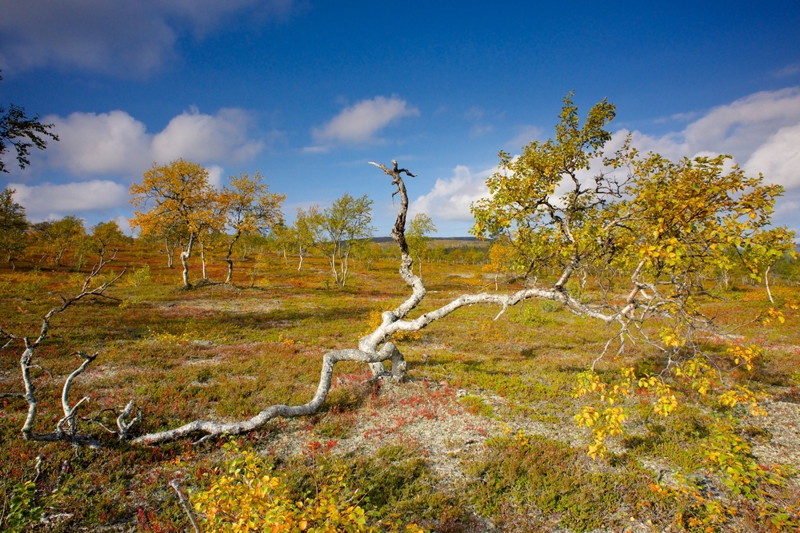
x,y
176,195
248,207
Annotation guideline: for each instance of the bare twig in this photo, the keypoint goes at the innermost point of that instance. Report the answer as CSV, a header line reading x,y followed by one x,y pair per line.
x,y
185,504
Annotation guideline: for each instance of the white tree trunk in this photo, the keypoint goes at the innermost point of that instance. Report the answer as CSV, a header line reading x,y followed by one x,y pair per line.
x,y
228,256
766,283
185,255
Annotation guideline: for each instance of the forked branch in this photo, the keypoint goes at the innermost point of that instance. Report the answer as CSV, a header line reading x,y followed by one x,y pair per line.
x,y
66,428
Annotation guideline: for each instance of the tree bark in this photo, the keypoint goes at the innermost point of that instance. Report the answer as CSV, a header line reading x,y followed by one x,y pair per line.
x,y
766,284
203,259
228,256
170,254
185,255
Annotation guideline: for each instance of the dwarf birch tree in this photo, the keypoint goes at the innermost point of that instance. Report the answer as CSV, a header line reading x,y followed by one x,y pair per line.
x,y
345,222
661,222
176,196
305,231
627,205
60,235
418,229
248,207
105,235
13,227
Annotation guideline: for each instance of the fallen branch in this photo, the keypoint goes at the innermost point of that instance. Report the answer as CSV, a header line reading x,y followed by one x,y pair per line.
x,y
375,348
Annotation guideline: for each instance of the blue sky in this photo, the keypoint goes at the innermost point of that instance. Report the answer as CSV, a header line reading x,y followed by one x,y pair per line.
x,y
309,92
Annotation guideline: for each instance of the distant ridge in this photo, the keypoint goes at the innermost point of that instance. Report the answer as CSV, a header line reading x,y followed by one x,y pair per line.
x,y
380,240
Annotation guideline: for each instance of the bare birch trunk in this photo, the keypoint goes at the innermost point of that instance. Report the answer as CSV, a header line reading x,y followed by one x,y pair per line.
x,y
185,255
766,283
229,255
170,254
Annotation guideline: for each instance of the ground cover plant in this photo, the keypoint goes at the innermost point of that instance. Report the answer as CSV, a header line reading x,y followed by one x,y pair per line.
x,y
224,352
484,432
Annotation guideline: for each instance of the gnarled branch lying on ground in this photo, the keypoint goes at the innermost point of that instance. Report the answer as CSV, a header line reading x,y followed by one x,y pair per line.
x,y
375,348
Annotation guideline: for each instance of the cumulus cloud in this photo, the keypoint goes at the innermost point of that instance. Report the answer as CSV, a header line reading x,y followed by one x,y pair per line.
x,y
200,137
360,123
779,158
739,128
125,38
51,201
117,143
215,174
124,224
451,198
760,131
99,143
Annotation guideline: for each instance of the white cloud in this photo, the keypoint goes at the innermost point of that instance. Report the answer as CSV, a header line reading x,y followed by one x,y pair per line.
x,y
760,131
124,224
215,174
359,123
48,200
779,158
102,143
117,143
739,128
199,137
450,199
526,134
124,38
788,70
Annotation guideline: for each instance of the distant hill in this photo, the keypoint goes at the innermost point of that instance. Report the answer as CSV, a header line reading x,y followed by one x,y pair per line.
x,y
446,241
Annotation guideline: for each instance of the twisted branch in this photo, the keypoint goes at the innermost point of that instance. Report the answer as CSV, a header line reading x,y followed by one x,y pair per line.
x,y
392,322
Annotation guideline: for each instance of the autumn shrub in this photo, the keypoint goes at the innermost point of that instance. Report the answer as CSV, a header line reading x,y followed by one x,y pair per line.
x,y
139,277
248,496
